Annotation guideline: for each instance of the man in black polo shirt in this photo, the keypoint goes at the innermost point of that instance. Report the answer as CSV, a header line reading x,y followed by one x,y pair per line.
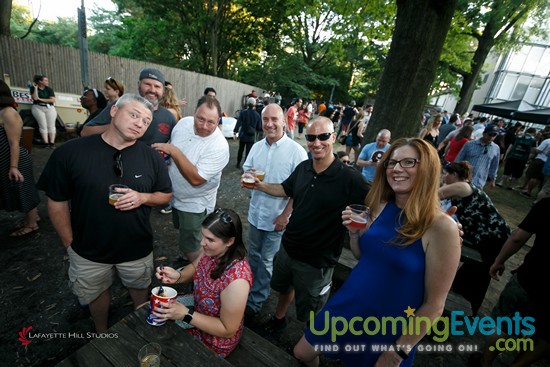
x,y
321,188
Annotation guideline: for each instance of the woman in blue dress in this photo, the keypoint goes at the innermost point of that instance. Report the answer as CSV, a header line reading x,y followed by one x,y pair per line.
x,y
408,256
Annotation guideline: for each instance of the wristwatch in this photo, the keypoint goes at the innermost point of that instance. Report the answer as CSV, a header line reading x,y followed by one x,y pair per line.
x,y
189,317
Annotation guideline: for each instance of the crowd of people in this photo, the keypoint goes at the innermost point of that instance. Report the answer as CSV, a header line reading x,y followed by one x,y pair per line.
x,y
299,212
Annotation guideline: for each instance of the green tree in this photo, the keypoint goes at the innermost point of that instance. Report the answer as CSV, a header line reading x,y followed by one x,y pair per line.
x,y
499,24
63,31
420,30
202,36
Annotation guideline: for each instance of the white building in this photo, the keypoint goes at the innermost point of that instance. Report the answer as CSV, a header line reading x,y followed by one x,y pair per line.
x,y
523,74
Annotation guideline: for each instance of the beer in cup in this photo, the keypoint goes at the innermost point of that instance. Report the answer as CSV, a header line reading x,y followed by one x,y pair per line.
x,y
115,193
149,355
248,180
359,216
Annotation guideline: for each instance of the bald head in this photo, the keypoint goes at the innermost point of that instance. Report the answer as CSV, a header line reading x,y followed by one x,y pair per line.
x,y
273,122
383,138
320,124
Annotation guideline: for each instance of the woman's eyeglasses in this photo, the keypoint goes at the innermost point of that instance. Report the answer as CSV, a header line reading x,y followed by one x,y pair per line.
x,y
404,163
119,170
226,218
321,137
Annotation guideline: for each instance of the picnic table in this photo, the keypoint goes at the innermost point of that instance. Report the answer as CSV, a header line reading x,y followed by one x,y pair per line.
x,y
178,347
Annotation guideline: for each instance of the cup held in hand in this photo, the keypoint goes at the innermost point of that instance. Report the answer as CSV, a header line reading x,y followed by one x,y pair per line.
x,y
157,300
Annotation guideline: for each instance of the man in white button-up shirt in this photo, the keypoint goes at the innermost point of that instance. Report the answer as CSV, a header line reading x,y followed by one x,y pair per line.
x,y
277,155
199,152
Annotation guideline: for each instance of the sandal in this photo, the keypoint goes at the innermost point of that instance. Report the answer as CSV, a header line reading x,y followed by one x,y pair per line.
x,y
22,224
24,231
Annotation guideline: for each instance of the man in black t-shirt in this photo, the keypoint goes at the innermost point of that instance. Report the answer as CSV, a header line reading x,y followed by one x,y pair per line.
x,y
524,293
321,188
101,237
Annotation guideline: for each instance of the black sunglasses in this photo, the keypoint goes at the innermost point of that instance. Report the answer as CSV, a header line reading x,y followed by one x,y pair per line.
x,y
485,149
226,218
321,137
119,170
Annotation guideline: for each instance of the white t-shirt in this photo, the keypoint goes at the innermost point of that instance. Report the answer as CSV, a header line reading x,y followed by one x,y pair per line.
x,y
210,155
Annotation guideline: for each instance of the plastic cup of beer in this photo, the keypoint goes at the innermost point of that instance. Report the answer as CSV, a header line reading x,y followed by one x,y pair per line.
x,y
149,355
168,295
359,216
248,180
260,174
115,193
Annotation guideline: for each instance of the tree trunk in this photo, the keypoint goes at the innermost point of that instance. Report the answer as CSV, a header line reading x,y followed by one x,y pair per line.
x,y
469,82
420,30
5,15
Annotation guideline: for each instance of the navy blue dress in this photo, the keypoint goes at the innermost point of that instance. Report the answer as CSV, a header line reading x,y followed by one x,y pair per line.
x,y
385,282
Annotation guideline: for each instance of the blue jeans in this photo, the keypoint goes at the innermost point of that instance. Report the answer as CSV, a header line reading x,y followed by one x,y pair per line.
x,y
262,247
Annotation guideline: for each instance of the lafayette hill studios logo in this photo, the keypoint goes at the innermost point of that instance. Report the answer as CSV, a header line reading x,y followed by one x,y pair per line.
x,y
23,336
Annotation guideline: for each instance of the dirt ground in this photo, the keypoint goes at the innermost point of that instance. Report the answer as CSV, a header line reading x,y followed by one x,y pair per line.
x,y
34,290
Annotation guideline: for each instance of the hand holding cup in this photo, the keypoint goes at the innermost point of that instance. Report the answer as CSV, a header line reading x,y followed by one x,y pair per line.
x,y
355,218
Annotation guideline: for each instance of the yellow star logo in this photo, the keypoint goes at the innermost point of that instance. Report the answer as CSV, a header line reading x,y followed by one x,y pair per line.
x,y
409,311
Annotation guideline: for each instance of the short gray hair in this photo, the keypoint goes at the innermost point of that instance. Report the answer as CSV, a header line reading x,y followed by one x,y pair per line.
x,y
129,97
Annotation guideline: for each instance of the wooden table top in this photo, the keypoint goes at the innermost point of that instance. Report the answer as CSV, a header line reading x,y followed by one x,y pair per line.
x,y
133,332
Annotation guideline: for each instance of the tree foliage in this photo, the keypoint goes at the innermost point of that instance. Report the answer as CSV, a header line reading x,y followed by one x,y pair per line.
x,y
63,31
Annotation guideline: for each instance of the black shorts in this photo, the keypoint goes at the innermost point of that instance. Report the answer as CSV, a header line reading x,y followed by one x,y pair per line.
x,y
514,167
535,170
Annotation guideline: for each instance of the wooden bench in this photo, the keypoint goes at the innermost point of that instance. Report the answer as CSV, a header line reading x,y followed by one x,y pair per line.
x,y
253,350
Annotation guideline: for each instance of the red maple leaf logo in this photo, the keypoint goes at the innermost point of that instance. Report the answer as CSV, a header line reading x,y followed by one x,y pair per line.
x,y
23,336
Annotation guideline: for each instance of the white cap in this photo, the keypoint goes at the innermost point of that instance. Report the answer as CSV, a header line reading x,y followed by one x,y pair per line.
x,y
251,101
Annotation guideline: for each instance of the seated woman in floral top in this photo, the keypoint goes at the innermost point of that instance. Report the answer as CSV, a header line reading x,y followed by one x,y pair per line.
x,y
222,279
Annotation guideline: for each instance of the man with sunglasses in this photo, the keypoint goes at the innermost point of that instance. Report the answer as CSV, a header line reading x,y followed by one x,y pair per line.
x,y
321,188
94,101
150,87
99,237
483,154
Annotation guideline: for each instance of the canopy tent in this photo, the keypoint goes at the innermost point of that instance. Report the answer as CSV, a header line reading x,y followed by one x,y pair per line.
x,y
508,109
541,116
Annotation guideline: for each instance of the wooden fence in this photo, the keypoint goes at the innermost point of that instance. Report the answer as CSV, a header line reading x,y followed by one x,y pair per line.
x,y
20,60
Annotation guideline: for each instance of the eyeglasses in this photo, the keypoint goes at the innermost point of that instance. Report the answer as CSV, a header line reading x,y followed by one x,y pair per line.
x,y
346,162
485,149
404,163
321,137
226,218
119,170
111,79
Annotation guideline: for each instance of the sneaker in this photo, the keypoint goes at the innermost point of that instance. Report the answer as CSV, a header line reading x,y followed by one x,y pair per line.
x,y
273,326
527,195
166,210
499,184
